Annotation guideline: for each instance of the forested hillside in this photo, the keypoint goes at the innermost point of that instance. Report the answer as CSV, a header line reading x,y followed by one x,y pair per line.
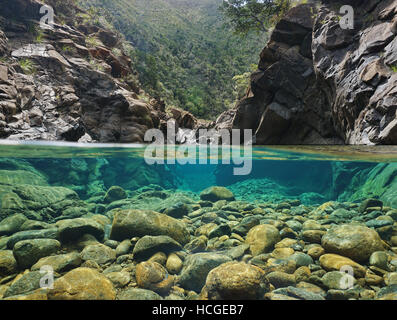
x,y
183,51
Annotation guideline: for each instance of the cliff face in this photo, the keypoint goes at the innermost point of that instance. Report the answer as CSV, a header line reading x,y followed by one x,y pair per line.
x,y
320,84
74,82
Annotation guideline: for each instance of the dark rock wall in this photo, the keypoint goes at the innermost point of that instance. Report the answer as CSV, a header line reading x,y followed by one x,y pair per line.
x,y
320,84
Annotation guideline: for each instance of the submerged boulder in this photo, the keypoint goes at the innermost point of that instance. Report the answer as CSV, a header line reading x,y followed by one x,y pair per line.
x,y
234,281
262,238
139,223
353,241
28,252
214,194
82,284
196,268
148,245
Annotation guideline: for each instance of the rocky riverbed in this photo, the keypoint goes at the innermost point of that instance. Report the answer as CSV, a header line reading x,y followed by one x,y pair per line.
x,y
164,244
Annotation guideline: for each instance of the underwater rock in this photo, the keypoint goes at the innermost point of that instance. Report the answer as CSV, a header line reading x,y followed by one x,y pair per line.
x,y
262,238
333,279
70,229
99,253
149,245
153,276
8,264
196,268
245,225
334,262
115,193
38,294
119,279
37,202
234,281
82,284
368,203
379,259
27,283
15,177
123,248
354,241
12,224
28,252
178,210
197,244
281,279
32,234
138,223
174,264
138,294
214,194
298,293
59,263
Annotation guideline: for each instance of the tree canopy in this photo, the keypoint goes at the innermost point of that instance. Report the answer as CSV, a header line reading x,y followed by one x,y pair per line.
x,y
254,15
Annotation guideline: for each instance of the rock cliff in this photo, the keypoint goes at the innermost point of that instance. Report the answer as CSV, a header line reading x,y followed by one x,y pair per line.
x,y
73,82
318,83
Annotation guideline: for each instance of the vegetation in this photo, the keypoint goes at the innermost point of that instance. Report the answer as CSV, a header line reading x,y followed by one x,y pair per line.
x,y
254,15
27,66
183,50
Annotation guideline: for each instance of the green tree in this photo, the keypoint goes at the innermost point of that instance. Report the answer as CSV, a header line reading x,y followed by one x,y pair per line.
x,y
254,15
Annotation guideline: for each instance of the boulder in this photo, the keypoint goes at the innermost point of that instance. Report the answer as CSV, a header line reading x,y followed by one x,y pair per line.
x,y
196,268
139,223
82,284
215,194
353,241
262,238
28,252
234,281
148,245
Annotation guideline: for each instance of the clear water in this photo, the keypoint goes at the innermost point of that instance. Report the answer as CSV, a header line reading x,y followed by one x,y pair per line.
x,y
286,183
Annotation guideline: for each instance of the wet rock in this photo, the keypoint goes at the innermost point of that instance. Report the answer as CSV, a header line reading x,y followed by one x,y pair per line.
x,y
60,263
28,252
82,284
174,264
148,245
337,280
379,259
99,253
301,259
32,234
262,238
214,194
178,210
298,293
370,203
234,281
219,231
281,279
353,241
333,262
71,229
123,248
153,276
115,193
138,294
8,264
197,245
12,224
196,268
138,223
119,279
27,283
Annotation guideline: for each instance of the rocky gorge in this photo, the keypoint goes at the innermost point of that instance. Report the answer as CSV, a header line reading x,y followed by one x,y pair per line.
x,y
318,83
71,82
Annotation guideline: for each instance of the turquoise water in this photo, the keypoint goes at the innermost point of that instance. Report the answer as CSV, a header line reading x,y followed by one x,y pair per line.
x,y
72,196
